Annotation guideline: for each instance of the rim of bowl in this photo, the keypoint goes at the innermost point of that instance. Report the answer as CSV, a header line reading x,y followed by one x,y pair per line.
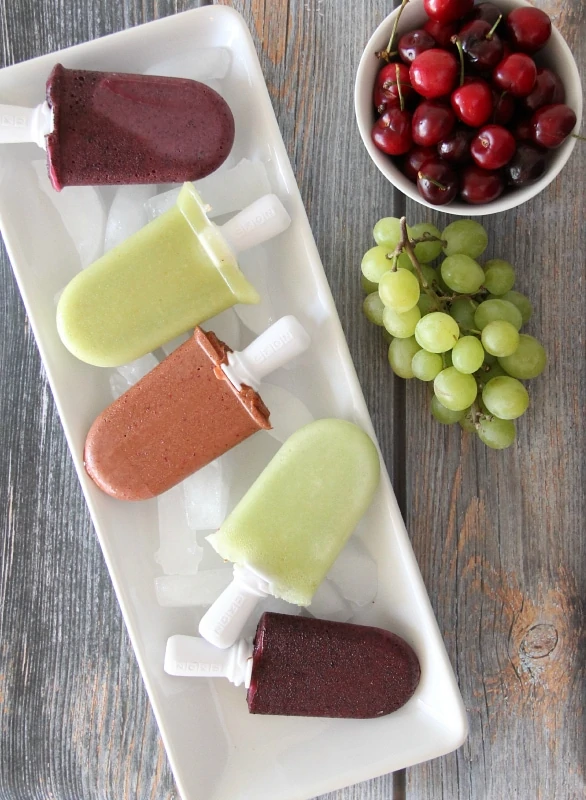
x,y
364,112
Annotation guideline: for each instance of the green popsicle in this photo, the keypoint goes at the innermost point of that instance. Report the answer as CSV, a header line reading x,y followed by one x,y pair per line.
x,y
175,273
297,516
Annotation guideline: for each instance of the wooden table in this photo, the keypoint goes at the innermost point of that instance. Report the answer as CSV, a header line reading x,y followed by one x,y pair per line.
x,y
499,535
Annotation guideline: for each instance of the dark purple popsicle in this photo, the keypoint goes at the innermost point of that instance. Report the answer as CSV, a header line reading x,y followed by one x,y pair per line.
x,y
315,668
118,128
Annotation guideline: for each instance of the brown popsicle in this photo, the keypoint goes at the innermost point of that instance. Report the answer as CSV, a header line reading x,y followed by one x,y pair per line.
x,y
179,417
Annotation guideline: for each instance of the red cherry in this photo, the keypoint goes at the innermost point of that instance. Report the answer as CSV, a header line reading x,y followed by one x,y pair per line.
x,y
414,159
548,89
472,102
392,132
437,182
385,88
455,148
487,12
433,73
515,74
528,29
523,130
442,32
503,107
492,147
447,10
480,185
481,52
552,125
432,121
414,43
527,165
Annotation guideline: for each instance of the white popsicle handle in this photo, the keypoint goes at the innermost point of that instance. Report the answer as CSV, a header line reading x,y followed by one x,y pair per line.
x,y
258,222
192,657
18,124
283,341
222,623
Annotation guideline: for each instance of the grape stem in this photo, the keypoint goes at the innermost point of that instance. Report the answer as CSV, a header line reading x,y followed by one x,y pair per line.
x,y
388,53
407,245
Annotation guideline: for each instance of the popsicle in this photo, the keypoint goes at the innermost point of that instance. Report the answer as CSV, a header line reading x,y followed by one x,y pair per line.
x,y
300,666
288,529
170,276
195,405
119,128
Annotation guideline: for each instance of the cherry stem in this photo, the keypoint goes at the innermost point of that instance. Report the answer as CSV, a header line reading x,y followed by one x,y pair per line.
x,y
423,176
492,31
387,54
400,93
455,40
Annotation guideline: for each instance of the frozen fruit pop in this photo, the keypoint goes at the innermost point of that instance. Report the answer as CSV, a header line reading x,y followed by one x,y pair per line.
x,y
288,529
195,405
118,128
173,274
299,666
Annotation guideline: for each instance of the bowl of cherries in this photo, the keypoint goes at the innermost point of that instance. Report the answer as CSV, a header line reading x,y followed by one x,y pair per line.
x,y
475,107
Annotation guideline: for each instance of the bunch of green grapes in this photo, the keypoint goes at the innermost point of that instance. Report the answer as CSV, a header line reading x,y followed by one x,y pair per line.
x,y
456,325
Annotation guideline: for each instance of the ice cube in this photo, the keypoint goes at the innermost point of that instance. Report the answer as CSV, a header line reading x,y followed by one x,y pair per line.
x,y
328,603
178,553
206,495
288,413
136,370
273,604
127,214
355,573
205,64
192,590
227,327
224,191
118,385
82,213
255,266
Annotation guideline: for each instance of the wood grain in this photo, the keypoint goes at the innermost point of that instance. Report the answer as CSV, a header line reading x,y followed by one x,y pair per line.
x,y
499,536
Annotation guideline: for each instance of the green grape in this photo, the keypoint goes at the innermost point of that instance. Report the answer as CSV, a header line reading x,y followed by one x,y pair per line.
x,y
465,236
505,397
487,373
387,336
455,390
387,232
499,276
401,352
467,354
496,433
437,332
462,310
500,338
467,423
368,286
404,262
447,358
429,274
426,251
375,264
489,359
491,310
462,274
401,325
528,360
373,308
519,300
445,415
426,365
426,304
399,290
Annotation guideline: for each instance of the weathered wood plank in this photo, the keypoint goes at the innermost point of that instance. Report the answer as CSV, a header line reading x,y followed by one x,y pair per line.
x,y
75,721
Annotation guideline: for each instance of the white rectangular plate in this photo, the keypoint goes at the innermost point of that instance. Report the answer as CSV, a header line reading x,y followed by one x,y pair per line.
x,y
217,750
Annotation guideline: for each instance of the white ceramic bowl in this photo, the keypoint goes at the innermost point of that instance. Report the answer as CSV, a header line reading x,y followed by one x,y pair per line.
x,y
556,55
